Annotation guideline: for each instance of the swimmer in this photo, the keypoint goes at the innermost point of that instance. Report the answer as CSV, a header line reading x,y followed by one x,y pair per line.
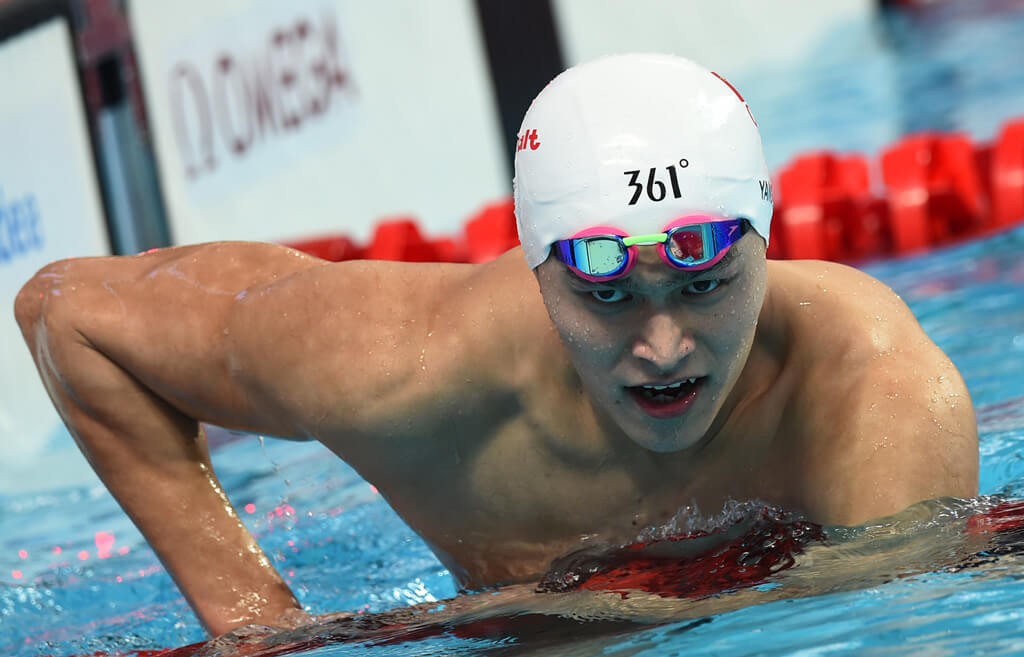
x,y
637,355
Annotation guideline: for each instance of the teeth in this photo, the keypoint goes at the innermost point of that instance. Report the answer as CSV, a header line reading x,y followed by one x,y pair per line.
x,y
671,385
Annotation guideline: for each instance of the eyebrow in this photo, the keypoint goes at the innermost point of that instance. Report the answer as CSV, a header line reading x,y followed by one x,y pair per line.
x,y
683,277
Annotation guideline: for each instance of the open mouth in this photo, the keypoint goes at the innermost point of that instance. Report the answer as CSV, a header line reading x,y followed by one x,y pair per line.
x,y
667,400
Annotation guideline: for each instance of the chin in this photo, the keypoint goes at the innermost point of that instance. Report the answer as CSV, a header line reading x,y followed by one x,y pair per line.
x,y
659,435
665,434
661,444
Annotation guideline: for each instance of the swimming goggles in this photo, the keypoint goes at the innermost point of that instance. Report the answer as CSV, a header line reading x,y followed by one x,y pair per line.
x,y
603,253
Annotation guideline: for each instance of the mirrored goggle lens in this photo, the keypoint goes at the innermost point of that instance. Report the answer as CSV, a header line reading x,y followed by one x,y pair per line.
x,y
691,245
599,256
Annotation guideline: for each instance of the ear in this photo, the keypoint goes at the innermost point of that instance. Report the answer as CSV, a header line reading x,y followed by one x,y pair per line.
x,y
545,271
548,276
749,228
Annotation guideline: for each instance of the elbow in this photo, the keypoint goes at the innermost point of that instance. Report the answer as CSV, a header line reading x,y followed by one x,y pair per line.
x,y
31,303
28,304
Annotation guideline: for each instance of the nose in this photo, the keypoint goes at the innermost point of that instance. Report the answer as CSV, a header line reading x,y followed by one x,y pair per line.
x,y
663,343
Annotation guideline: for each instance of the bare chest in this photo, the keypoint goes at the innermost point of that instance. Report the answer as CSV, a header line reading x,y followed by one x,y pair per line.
x,y
501,509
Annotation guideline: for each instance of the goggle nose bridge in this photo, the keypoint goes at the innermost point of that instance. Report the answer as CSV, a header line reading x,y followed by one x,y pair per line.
x,y
645,240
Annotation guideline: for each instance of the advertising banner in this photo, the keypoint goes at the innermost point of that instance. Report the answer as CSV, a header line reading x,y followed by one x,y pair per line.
x,y
50,208
282,120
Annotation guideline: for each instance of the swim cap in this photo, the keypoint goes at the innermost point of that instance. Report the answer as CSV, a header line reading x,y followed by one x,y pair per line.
x,y
635,141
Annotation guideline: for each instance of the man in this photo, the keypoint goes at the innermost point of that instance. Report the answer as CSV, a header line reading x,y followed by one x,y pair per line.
x,y
645,357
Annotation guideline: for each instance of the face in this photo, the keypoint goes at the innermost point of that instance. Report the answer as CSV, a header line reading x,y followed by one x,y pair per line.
x,y
659,326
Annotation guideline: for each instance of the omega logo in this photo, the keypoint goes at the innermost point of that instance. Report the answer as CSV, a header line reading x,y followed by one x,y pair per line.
x,y
237,101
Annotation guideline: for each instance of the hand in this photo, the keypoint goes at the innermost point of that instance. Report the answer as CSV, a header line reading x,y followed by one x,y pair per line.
x,y
228,644
293,618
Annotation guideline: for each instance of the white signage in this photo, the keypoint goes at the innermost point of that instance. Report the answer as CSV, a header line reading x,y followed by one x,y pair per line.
x,y
50,208
285,120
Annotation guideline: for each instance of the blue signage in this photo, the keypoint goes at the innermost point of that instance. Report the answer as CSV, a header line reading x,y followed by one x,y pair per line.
x,y
21,227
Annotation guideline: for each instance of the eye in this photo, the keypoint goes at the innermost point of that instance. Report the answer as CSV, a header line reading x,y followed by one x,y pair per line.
x,y
610,295
702,287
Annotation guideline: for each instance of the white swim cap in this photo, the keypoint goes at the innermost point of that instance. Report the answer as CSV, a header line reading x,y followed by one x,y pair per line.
x,y
634,142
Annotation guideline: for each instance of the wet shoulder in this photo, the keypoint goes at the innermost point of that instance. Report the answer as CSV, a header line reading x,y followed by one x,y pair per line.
x,y
840,311
498,310
881,418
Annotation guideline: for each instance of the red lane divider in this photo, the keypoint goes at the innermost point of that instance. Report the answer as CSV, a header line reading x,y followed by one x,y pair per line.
x,y
492,231
334,249
828,212
935,192
934,189
400,239
1008,175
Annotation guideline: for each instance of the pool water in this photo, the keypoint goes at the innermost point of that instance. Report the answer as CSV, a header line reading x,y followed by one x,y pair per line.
x,y
76,577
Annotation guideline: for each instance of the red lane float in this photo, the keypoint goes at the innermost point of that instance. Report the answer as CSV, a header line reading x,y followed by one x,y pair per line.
x,y
492,231
400,239
1007,165
935,193
934,189
335,249
826,211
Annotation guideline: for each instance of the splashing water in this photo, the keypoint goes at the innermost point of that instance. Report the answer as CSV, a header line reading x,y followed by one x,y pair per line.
x,y
668,582
737,548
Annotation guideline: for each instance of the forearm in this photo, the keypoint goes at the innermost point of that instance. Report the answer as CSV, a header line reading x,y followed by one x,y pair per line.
x,y
155,462
185,516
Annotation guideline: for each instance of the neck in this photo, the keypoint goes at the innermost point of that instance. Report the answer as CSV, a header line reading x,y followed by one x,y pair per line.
x,y
760,373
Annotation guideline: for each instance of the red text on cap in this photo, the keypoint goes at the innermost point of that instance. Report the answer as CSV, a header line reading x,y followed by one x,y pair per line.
x,y
528,140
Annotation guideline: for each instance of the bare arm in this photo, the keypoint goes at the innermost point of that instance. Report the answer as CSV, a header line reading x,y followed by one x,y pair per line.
x,y
136,352
891,421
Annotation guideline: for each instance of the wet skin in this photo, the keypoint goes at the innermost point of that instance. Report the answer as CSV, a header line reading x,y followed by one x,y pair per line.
x,y
492,406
